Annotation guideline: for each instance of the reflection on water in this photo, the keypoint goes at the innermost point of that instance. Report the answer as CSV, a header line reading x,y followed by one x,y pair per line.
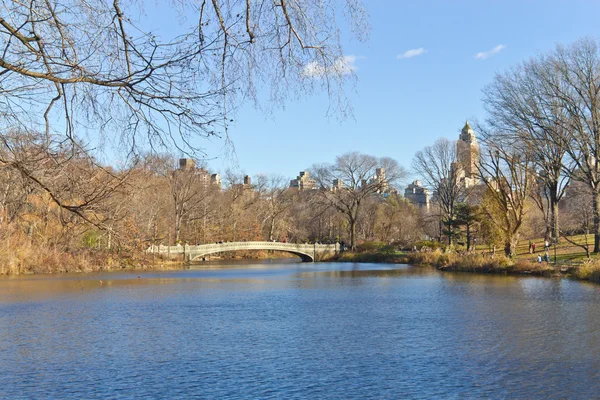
x,y
298,330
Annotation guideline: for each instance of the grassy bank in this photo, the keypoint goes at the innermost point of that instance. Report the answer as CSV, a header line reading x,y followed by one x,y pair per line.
x,y
24,258
51,262
572,261
477,263
371,257
455,262
587,272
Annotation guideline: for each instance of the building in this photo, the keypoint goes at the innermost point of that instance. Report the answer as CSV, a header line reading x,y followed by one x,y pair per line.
x,y
187,164
380,180
215,179
467,157
245,187
204,177
337,185
416,194
303,182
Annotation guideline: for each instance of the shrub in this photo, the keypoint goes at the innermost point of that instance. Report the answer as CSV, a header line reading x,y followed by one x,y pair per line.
x,y
469,263
375,247
424,257
589,271
442,260
91,239
387,249
369,247
432,244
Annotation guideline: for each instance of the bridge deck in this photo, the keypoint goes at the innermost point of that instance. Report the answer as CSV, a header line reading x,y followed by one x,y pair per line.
x,y
308,252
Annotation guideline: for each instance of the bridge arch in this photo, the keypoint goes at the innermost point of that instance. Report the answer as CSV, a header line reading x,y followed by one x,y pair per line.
x,y
196,256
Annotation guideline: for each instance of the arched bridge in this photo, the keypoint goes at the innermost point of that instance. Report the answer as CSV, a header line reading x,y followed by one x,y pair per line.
x,y
308,252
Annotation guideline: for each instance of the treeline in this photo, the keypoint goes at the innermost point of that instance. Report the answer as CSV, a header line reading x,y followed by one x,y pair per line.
x,y
63,211
540,153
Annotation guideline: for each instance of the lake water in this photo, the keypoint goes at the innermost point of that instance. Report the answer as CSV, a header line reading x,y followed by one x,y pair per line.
x,y
293,330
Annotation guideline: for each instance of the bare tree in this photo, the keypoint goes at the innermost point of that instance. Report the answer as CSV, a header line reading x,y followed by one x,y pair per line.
x,y
312,218
91,63
367,218
277,199
71,178
508,177
353,178
578,206
88,71
398,221
522,111
189,189
571,75
438,167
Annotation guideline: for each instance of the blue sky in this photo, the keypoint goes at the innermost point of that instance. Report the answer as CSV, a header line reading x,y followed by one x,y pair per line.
x,y
404,104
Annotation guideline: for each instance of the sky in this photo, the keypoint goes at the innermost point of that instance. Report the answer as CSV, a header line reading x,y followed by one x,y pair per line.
x,y
420,76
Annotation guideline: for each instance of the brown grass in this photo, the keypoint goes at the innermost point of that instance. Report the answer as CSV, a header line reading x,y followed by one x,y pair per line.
x,y
588,271
18,255
479,263
348,256
525,264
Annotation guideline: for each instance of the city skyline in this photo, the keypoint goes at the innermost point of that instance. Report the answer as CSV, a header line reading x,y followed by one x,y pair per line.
x,y
418,80
303,181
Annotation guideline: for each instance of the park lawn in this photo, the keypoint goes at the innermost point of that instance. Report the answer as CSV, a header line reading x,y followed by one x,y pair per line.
x,y
565,252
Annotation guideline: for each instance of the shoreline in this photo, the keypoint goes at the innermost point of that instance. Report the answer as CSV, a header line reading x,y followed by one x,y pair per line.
x,y
479,264
446,262
87,264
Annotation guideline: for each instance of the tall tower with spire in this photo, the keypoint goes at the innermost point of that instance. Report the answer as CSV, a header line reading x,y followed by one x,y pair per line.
x,y
467,154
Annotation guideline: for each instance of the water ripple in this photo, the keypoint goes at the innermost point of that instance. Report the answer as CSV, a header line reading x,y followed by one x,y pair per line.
x,y
291,331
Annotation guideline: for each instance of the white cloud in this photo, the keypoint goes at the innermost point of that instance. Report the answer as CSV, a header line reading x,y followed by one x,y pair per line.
x,y
411,53
342,66
482,55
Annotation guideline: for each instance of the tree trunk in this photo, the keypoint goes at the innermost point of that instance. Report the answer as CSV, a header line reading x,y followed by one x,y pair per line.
x,y
596,206
548,232
508,249
468,237
154,233
271,229
510,245
177,227
554,219
451,226
352,233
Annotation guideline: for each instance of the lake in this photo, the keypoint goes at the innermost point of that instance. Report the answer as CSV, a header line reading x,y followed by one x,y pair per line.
x,y
289,330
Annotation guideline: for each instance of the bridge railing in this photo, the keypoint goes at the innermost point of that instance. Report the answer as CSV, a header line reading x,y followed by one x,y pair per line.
x,y
234,246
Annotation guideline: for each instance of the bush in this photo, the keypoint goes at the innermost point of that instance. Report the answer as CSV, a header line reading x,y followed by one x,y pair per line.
x,y
589,271
91,239
387,249
375,247
431,244
470,263
370,257
443,260
424,257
